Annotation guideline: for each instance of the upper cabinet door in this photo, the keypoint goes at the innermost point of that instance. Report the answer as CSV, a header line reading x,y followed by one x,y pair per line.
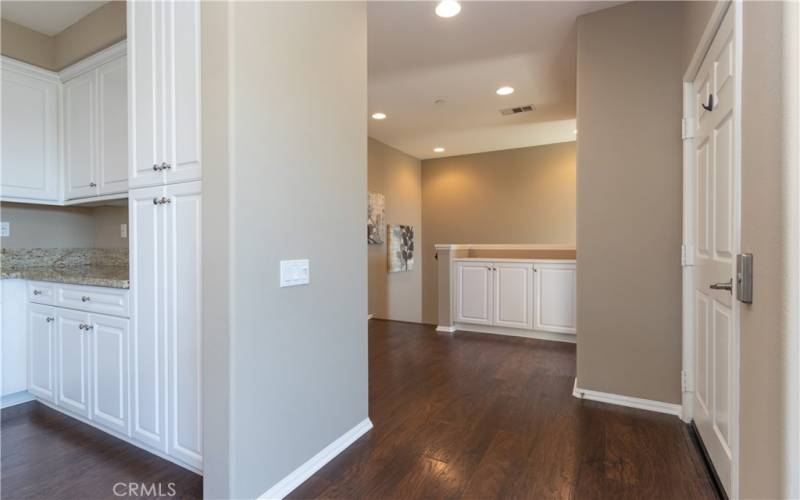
x,y
112,86
80,132
145,94
513,290
474,292
554,298
164,101
29,133
182,52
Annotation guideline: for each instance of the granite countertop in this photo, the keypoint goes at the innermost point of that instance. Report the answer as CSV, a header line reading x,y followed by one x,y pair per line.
x,y
92,275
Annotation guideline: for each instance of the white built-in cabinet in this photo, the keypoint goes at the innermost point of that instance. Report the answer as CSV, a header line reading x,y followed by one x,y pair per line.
x,y
95,128
164,65
515,294
165,259
29,133
41,351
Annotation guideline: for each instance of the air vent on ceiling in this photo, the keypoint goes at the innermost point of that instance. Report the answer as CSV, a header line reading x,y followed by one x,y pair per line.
x,y
517,110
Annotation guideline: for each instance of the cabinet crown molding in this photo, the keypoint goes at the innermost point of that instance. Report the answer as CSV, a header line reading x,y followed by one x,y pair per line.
x,y
528,246
8,63
95,60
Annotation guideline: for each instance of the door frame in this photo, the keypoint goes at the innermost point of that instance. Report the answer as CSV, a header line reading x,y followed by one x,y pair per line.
x,y
687,250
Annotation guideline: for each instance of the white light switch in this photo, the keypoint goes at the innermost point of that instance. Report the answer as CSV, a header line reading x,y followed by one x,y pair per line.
x,y
294,272
5,229
123,230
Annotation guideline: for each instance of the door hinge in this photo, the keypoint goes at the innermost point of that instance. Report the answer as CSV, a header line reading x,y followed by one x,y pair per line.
x,y
687,128
687,255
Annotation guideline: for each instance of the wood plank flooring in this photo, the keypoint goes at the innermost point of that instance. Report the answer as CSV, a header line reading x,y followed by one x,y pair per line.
x,y
48,455
484,416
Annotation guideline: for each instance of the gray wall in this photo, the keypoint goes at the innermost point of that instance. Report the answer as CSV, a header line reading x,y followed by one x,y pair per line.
x,y
42,226
630,68
397,176
296,185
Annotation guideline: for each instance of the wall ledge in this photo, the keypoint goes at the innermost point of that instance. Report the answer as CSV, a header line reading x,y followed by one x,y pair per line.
x,y
530,246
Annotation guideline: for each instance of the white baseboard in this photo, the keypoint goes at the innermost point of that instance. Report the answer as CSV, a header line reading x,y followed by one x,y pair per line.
x,y
299,475
16,399
631,402
569,338
370,316
445,329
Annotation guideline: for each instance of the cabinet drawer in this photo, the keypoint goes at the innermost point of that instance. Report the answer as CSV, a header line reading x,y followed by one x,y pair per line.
x,y
93,299
42,293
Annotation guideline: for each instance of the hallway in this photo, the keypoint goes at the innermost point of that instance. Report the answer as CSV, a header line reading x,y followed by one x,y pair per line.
x,y
475,415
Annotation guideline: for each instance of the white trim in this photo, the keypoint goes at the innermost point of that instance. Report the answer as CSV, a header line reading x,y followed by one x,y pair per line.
x,y
515,332
370,316
28,69
95,60
705,40
532,261
630,402
16,398
445,329
532,246
315,463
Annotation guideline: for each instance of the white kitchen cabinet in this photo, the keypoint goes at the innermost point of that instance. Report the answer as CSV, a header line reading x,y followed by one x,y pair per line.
x,y
474,286
108,344
41,351
72,348
96,130
513,294
13,319
166,282
29,141
554,297
164,67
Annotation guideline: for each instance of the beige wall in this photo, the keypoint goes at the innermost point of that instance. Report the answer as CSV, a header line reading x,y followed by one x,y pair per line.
x,y
398,177
98,30
630,65
696,15
42,226
522,195
289,177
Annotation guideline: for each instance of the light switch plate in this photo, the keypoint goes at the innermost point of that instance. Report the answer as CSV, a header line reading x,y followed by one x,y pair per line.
x,y
294,272
5,229
123,230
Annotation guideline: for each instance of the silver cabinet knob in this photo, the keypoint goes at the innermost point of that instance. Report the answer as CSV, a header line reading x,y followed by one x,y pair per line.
x,y
37,292
84,326
155,167
50,319
85,298
165,166
161,201
92,184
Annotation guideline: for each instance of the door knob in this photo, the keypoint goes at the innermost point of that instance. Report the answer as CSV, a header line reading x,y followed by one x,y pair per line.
x,y
728,285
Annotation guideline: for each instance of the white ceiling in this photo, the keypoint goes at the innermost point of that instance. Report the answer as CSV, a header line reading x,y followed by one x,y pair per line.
x,y
49,18
416,57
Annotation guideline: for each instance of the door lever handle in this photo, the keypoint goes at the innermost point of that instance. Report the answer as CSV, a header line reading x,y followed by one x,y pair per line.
x,y
710,105
728,285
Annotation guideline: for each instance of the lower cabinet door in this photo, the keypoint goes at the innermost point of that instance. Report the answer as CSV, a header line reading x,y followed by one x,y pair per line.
x,y
108,343
474,292
72,332
41,351
554,298
513,290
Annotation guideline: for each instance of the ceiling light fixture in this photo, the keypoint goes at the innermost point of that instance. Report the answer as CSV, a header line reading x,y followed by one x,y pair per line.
x,y
448,8
438,150
505,91
378,116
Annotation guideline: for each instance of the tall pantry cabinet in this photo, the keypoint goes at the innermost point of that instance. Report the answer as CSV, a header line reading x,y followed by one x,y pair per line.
x,y
165,223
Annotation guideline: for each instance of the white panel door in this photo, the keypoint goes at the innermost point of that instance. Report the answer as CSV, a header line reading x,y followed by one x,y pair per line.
x,y
554,295
184,287
112,88
29,142
72,347
80,135
513,290
146,106
716,235
108,342
474,292
182,85
41,351
148,302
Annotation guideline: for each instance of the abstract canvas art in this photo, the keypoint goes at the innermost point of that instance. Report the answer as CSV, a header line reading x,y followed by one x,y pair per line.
x,y
401,248
376,227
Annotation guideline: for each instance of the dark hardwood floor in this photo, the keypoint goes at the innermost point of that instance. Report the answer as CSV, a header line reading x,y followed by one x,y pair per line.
x,y
48,455
484,416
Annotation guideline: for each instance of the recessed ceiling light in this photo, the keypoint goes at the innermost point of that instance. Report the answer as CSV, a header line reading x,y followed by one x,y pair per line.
x,y
448,8
438,150
505,91
379,116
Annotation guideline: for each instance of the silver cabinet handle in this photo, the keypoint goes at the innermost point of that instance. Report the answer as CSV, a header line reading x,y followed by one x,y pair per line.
x,y
155,201
165,166
155,167
161,201
92,184
728,285
50,319
37,292
85,298
84,326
